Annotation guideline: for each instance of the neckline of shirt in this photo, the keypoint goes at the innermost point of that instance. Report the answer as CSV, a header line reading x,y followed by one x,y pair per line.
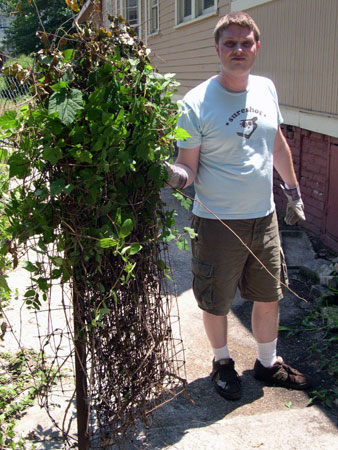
x,y
223,89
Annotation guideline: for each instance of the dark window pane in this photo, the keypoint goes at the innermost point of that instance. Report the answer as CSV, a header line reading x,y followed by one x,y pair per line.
x,y
154,24
208,3
187,8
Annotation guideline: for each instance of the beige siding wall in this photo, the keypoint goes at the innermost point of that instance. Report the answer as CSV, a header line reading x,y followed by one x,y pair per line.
x,y
299,52
188,50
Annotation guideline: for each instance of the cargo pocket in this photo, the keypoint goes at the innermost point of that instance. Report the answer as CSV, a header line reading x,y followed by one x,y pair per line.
x,y
283,271
202,283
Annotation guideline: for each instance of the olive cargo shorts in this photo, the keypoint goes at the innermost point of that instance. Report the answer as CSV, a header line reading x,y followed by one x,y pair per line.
x,y
221,263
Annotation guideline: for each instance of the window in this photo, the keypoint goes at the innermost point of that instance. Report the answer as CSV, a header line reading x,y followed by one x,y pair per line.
x,y
187,10
153,14
131,12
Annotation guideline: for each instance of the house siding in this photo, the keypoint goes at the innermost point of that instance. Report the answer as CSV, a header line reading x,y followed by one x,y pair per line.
x,y
315,158
188,50
299,39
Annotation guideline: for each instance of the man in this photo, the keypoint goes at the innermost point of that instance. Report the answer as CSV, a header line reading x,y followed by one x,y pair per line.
x,y
233,120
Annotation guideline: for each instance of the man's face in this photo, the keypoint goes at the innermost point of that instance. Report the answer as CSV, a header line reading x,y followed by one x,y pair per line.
x,y
237,49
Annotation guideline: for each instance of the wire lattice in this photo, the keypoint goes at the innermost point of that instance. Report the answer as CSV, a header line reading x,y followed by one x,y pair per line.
x,y
134,357
117,337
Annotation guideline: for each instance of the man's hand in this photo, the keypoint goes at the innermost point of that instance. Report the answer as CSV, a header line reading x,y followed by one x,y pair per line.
x,y
177,176
295,206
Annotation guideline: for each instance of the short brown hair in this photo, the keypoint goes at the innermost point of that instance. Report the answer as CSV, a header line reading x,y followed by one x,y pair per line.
x,y
237,18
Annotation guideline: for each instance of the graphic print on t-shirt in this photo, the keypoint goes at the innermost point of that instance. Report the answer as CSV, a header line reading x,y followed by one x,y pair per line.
x,y
249,126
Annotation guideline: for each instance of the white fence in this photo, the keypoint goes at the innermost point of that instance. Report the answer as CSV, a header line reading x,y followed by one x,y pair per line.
x,y
11,92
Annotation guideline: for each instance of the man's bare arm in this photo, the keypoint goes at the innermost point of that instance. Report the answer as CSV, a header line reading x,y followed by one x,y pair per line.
x,y
183,172
282,160
188,159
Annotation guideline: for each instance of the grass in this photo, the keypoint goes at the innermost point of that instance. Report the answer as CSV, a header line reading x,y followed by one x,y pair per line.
x,y
24,60
22,379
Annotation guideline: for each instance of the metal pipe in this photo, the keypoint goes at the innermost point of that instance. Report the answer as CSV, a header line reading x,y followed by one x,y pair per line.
x,y
80,376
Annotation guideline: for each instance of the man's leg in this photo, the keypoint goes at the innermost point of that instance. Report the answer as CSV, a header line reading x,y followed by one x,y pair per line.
x,y
216,328
214,284
224,375
269,367
264,320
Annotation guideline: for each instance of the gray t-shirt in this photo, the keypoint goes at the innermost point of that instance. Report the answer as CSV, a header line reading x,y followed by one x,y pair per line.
x,y
235,132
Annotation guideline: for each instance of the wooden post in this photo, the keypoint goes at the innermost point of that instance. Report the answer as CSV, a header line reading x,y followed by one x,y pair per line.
x,y
80,376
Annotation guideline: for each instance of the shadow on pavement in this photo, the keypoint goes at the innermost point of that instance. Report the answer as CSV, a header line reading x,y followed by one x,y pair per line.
x,y
173,420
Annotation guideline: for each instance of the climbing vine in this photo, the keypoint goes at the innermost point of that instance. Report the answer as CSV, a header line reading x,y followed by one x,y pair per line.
x,y
86,175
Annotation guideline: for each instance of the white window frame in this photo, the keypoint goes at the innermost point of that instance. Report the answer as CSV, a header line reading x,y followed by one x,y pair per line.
x,y
150,7
123,8
197,12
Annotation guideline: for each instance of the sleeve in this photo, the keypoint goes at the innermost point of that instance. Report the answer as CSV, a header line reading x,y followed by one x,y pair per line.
x,y
189,121
275,97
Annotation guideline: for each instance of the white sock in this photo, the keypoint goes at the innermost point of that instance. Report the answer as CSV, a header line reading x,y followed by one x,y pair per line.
x,y
221,353
267,353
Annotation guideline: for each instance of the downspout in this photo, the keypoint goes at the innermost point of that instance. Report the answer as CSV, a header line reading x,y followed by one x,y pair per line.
x,y
327,188
146,22
104,14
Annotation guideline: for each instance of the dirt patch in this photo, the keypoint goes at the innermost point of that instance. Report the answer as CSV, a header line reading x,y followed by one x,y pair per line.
x,y
309,333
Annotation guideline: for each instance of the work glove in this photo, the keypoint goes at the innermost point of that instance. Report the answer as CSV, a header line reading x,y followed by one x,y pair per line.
x,y
295,205
177,176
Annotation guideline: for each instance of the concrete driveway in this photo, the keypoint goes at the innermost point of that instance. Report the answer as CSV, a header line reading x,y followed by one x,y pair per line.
x,y
267,418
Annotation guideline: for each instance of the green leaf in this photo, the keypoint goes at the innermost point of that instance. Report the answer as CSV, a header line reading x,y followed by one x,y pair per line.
x,y
182,134
191,231
52,154
182,244
58,261
66,105
108,242
30,293
283,328
3,283
8,120
115,296
69,188
68,54
30,267
82,156
185,202
118,216
131,249
135,247
288,404
169,236
18,165
126,228
57,187
60,86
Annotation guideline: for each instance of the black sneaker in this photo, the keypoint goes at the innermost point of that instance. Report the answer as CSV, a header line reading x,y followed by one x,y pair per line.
x,y
225,378
281,374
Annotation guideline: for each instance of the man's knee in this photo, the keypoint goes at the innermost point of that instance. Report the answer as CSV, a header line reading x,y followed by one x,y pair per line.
x,y
266,306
